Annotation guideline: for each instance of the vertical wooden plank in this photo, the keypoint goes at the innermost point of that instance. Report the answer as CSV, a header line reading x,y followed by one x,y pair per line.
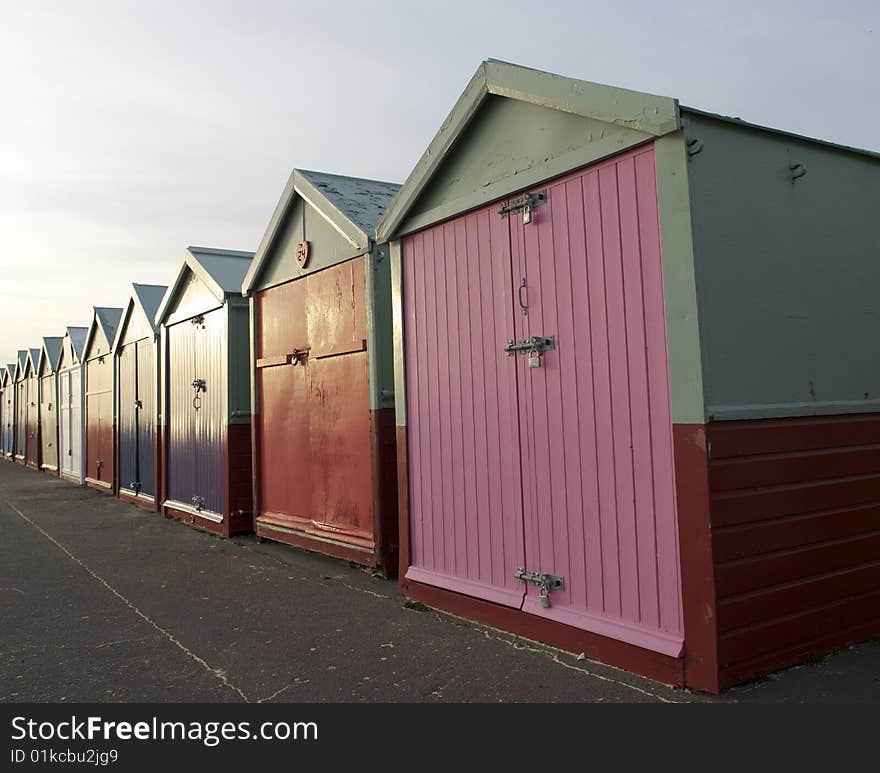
x,y
604,430
585,466
434,326
645,567
465,348
662,446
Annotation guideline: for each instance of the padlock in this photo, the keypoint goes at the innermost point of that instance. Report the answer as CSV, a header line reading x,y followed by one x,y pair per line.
x,y
544,599
534,359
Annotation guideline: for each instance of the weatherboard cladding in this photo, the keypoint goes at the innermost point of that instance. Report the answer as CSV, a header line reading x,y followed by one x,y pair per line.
x,y
49,359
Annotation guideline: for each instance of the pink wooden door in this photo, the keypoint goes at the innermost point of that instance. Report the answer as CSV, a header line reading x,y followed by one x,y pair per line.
x,y
466,524
564,469
598,488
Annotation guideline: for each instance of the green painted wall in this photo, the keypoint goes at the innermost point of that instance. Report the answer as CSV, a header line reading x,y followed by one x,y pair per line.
x,y
787,273
303,223
238,384
136,327
192,298
510,145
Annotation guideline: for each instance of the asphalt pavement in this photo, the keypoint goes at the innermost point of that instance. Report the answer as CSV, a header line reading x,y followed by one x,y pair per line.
x,y
103,601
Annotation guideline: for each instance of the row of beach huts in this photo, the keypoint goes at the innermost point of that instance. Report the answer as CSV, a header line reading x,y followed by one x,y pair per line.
x,y
602,372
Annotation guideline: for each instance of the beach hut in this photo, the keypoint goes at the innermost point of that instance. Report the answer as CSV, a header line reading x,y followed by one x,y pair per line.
x,y
47,371
71,408
637,416
99,407
27,388
323,430
206,433
7,410
136,354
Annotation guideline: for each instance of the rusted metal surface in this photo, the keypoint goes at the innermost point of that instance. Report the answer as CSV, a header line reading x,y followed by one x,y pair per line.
x,y
796,538
317,444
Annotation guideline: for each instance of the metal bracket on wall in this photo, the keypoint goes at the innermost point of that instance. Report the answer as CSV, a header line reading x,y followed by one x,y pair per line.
x,y
525,204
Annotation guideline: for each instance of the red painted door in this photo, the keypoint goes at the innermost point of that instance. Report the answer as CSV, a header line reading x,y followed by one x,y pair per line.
x,y
315,452
583,437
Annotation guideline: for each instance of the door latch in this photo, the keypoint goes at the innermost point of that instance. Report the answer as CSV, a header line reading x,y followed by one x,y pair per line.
x,y
534,346
200,385
546,582
525,204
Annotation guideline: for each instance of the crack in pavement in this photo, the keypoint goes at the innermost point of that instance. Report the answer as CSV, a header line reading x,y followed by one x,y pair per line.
x,y
216,672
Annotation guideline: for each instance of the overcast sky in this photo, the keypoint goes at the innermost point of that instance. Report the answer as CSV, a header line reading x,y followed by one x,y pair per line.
x,y
129,130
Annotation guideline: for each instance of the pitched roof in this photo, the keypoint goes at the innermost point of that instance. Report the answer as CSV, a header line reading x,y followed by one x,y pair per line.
x,y
222,272
51,351
352,205
147,298
107,318
7,372
78,340
648,113
34,357
21,357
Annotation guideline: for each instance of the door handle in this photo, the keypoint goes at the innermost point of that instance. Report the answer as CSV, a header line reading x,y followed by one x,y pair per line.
x,y
520,297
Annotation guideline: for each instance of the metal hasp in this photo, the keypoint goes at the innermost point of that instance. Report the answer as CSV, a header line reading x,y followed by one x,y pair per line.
x,y
538,344
525,204
546,582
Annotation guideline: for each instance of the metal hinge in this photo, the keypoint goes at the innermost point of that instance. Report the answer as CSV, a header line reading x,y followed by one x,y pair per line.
x,y
525,204
546,582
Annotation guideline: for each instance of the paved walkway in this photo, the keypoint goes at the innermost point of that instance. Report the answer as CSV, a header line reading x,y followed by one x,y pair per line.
x,y
102,601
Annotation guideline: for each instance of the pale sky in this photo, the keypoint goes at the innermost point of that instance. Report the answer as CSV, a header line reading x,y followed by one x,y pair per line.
x,y
129,130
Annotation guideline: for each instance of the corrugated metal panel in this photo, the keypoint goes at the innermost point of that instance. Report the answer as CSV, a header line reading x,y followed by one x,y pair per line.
x,y
8,418
99,420
595,440
796,537
195,435
33,420
21,401
129,477
146,424
49,422
70,416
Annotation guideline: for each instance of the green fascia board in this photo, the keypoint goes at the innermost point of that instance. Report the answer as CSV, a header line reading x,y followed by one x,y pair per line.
x,y
299,186
648,113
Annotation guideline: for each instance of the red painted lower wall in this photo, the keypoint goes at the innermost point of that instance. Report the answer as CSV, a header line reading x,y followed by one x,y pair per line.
x,y
795,538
